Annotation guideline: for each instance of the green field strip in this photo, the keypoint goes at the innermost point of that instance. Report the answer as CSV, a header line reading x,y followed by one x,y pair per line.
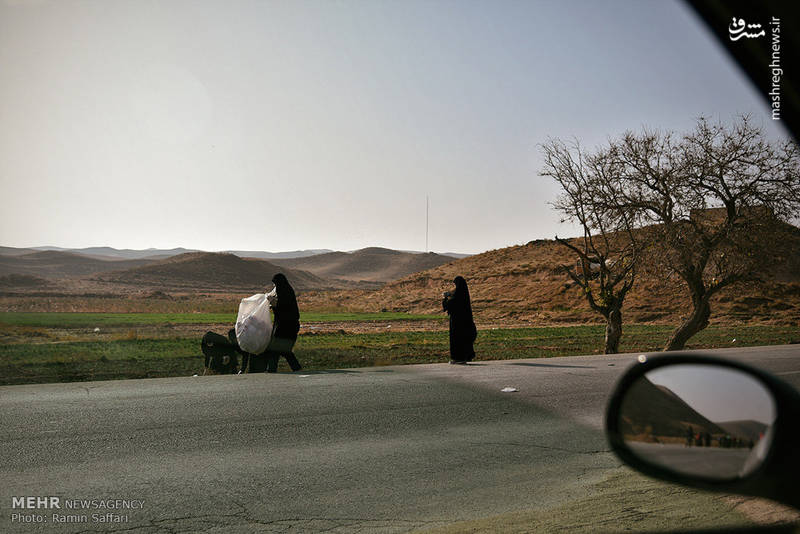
x,y
96,320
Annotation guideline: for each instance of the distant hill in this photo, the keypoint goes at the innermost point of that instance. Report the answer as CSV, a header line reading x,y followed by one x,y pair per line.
x,y
372,264
279,255
113,253
455,255
318,269
57,264
206,270
156,253
528,283
12,251
656,410
660,412
744,429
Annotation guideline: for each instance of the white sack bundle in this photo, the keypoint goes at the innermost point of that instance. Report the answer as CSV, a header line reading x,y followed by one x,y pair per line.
x,y
253,324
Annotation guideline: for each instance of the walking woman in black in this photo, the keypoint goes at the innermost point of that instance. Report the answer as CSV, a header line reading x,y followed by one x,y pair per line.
x,y
462,326
286,324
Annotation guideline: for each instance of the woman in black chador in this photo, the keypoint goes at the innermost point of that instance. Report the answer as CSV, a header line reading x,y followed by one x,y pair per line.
x,y
286,324
462,327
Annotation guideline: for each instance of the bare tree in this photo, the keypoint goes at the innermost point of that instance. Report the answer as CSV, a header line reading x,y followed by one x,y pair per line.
x,y
715,201
605,269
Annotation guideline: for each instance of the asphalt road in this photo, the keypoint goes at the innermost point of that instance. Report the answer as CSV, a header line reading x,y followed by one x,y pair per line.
x,y
381,449
713,462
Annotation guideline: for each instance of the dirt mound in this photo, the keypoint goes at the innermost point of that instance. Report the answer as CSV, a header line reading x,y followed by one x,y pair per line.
x,y
206,270
373,264
527,283
23,281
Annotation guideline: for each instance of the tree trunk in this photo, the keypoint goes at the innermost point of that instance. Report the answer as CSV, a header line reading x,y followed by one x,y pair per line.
x,y
613,331
695,323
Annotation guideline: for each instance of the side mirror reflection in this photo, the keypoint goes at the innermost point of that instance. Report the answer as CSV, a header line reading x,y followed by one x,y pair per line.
x,y
699,420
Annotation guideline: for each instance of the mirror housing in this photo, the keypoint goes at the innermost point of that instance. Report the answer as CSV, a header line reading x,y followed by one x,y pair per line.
x,y
777,474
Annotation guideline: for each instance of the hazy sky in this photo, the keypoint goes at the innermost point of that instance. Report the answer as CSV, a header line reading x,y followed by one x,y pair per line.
x,y
289,124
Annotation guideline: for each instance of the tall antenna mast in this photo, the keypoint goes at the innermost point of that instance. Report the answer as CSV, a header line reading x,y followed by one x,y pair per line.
x,y
427,210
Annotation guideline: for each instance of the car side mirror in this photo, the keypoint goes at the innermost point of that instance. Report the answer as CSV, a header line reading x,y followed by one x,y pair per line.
x,y
709,423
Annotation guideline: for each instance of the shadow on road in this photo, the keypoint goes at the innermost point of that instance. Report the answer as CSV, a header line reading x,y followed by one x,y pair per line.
x,y
551,365
330,372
